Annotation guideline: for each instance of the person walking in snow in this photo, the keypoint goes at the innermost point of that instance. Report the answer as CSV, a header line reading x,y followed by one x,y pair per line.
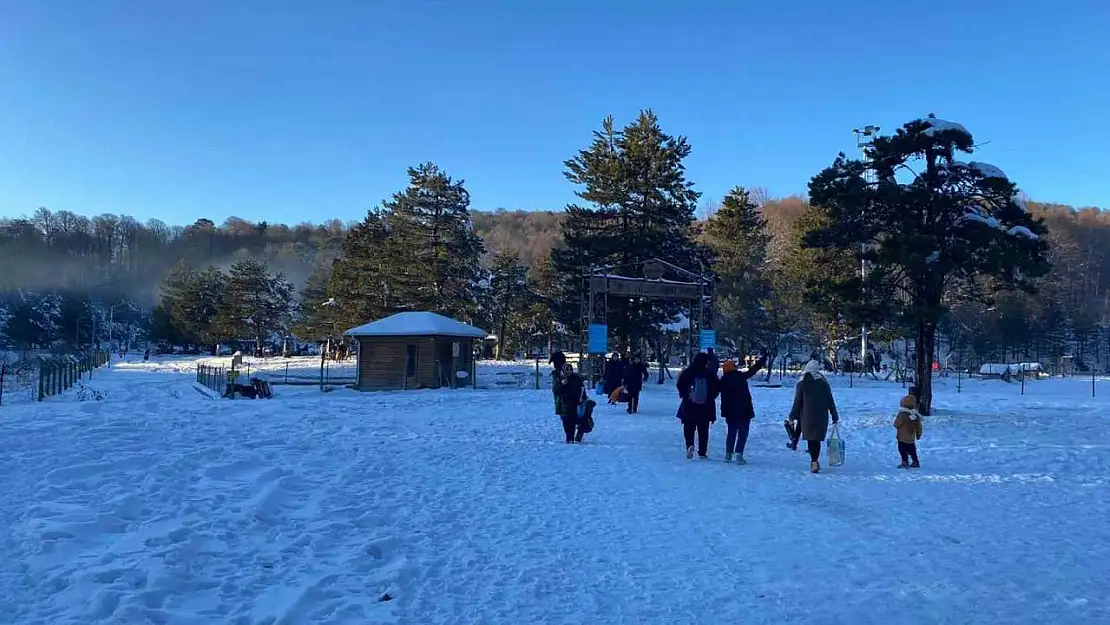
x,y
736,406
614,372
571,391
558,360
813,404
698,388
635,374
908,426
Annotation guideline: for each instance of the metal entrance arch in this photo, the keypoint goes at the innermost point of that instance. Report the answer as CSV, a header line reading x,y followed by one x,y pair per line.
x,y
658,279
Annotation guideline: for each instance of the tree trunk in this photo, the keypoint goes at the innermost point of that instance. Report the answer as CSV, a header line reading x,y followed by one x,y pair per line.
x,y
925,344
501,338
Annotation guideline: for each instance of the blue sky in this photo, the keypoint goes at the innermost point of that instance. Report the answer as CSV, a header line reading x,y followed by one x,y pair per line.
x,y
295,111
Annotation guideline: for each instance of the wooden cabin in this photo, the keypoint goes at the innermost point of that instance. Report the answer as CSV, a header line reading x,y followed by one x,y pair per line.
x,y
414,350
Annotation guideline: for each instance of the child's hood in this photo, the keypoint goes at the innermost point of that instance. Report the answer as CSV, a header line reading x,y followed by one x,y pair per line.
x,y
913,414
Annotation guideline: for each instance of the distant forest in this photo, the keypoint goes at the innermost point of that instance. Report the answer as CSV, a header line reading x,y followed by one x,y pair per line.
x,y
113,257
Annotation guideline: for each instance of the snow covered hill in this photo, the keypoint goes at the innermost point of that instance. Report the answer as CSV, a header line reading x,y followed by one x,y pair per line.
x,y
158,504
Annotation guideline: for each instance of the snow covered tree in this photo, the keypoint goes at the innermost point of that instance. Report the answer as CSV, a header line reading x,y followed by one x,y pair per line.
x,y
257,303
34,319
924,223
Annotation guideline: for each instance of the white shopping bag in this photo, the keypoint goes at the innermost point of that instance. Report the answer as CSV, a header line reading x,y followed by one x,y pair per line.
x,y
836,447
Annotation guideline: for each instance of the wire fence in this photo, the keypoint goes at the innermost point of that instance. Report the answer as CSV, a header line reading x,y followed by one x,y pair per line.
x,y
42,377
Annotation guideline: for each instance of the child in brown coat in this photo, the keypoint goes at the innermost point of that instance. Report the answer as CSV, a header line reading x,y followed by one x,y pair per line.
x,y
908,426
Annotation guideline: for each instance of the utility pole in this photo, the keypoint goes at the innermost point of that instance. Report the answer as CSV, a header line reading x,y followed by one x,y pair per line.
x,y
864,137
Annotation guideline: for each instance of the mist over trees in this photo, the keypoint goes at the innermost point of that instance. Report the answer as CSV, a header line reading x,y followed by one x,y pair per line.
x,y
788,269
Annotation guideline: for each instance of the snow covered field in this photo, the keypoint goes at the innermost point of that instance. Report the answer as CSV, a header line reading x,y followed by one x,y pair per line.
x,y
159,505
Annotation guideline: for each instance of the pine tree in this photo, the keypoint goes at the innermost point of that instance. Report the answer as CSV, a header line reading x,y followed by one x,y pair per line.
x,y
257,304
314,319
435,255
949,224
360,286
640,206
510,298
189,302
736,233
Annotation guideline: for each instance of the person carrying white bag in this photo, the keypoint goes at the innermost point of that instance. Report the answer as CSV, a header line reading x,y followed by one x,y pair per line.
x,y
813,405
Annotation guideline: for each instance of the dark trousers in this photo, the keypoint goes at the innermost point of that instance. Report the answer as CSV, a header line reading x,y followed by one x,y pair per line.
x,y
702,428
572,427
907,451
814,450
737,437
633,401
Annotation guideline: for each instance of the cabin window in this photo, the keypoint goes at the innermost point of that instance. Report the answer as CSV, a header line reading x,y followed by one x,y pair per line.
x,y
410,362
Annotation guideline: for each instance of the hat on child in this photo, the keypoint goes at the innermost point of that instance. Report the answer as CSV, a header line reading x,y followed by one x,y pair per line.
x,y
729,365
908,402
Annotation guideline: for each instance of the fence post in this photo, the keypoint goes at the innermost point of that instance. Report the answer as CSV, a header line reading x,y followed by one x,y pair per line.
x,y
3,371
537,373
41,387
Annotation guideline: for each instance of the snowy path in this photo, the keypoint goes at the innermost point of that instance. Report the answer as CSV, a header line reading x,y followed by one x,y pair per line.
x,y
159,505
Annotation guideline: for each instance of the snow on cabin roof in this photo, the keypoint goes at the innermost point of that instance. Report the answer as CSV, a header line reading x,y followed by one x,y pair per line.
x,y
417,324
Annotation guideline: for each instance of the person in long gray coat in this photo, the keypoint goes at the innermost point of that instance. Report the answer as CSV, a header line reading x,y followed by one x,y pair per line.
x,y
813,404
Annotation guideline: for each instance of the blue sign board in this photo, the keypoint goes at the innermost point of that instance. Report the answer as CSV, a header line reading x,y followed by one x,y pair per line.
x,y
599,338
708,339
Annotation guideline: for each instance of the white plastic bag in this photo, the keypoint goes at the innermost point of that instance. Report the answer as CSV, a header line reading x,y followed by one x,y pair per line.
x,y
835,446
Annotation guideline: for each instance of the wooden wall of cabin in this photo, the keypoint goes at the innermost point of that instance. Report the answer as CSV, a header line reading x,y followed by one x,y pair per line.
x,y
382,360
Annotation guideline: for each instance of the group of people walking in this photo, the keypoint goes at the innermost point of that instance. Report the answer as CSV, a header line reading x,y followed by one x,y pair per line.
x,y
699,388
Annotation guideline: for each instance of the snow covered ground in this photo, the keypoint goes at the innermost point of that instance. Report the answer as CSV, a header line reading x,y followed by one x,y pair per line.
x,y
160,505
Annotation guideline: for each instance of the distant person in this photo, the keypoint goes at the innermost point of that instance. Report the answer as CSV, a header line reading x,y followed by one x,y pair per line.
x,y
558,360
635,374
613,374
736,406
813,404
571,390
909,428
698,388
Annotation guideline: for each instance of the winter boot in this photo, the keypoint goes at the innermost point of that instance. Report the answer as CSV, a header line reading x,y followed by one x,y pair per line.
x,y
740,459
815,467
915,465
689,453
728,457
904,465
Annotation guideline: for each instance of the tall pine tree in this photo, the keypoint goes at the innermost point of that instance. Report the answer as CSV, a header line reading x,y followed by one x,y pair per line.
x,y
736,233
639,205
257,303
510,297
927,223
434,261
359,286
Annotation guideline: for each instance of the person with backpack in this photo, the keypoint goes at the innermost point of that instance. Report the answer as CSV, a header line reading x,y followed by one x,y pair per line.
x,y
635,374
698,388
571,392
736,406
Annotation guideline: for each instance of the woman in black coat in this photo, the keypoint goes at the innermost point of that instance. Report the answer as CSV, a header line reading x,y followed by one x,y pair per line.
x,y
736,406
698,388
635,374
